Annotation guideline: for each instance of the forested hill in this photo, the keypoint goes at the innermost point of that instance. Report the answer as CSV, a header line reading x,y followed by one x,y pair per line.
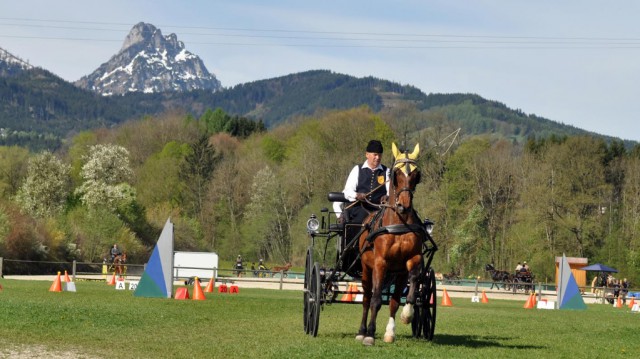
x,y
39,109
278,99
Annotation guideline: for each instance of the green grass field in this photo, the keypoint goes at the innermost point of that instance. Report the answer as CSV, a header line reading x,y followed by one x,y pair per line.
x,y
99,322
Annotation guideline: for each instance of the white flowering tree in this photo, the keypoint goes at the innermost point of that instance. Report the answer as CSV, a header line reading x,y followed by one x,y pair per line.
x,y
105,175
271,232
45,190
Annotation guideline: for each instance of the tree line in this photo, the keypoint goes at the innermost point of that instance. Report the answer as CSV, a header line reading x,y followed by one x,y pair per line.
x,y
232,187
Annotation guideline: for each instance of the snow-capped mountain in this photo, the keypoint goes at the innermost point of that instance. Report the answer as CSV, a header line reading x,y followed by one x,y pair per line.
x,y
149,62
11,65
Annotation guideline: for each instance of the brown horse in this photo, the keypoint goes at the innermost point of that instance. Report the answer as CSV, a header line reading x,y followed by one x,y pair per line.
x,y
119,265
284,269
391,245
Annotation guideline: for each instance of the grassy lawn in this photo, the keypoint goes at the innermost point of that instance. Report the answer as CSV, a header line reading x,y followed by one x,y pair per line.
x,y
98,321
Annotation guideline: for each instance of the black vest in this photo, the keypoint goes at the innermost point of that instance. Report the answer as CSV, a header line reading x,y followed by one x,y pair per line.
x,y
368,180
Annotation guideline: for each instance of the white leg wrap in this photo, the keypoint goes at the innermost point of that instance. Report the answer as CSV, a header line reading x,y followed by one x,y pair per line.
x,y
407,314
390,332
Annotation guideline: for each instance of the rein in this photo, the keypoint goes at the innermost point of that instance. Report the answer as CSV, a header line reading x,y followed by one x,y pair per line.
x,y
407,162
366,200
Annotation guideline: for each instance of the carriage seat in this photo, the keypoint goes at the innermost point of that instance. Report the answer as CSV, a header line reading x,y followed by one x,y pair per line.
x,y
336,197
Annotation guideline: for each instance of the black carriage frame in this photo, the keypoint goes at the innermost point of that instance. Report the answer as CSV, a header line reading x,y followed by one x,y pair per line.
x,y
322,277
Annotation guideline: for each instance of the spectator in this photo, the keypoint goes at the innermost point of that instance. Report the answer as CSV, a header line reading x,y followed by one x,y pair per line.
x,y
616,288
262,268
238,266
624,289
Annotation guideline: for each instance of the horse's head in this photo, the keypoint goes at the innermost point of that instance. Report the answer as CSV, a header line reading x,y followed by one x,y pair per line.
x,y
489,267
405,176
120,259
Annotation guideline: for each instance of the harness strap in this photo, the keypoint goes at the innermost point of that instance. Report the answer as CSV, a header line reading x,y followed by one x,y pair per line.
x,y
396,229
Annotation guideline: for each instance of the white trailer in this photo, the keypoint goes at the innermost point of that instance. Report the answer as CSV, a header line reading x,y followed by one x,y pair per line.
x,y
187,265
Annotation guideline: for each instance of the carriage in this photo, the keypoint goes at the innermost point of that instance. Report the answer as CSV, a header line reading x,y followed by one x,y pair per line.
x,y
520,281
334,269
523,281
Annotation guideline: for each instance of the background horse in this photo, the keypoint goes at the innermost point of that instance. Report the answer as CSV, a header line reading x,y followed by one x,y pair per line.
x,y
391,246
453,276
284,269
498,276
118,266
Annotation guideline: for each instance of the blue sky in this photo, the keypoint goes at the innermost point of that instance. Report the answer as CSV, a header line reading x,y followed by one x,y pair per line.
x,y
574,62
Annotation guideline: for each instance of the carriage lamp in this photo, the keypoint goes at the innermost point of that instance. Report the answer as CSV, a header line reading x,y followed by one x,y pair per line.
x,y
428,225
313,224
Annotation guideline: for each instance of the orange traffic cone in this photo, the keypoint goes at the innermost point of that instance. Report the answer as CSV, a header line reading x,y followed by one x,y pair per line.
x,y
631,302
446,301
209,288
484,298
618,303
197,290
57,285
182,293
113,279
529,303
348,297
66,277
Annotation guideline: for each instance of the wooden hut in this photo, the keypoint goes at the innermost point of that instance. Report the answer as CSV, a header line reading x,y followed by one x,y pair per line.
x,y
575,264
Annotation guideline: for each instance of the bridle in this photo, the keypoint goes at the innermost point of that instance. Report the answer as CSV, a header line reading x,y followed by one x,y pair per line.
x,y
407,170
397,165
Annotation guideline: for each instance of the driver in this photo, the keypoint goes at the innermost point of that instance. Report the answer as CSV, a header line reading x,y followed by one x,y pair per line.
x,y
115,251
366,187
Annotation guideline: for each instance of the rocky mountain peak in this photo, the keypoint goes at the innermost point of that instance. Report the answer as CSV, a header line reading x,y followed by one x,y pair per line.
x,y
150,62
140,33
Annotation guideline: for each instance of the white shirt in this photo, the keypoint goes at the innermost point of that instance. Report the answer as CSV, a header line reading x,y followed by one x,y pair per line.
x,y
352,182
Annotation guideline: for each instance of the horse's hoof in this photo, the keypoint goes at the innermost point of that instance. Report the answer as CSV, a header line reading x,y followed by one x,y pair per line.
x,y
406,316
359,337
389,338
404,319
368,341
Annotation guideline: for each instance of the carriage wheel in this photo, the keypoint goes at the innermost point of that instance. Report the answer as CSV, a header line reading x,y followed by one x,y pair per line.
x,y
307,275
424,318
314,300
